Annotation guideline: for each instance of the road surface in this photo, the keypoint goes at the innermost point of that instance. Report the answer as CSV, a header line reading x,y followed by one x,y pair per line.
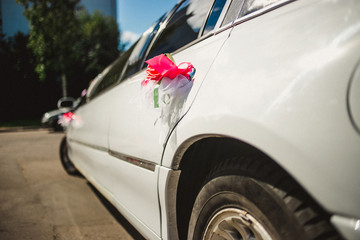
x,y
38,200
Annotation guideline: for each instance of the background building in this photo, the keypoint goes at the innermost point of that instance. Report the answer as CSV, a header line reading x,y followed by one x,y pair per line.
x,y
13,20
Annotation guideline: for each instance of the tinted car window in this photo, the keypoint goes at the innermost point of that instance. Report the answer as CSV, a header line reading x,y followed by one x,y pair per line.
x,y
254,5
113,74
183,27
232,12
136,58
214,15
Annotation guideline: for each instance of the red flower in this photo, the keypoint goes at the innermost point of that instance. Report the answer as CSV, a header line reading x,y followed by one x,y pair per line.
x,y
161,66
151,74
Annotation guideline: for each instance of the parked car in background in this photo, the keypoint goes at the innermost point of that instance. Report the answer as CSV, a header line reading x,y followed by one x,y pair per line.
x,y
50,119
57,119
264,145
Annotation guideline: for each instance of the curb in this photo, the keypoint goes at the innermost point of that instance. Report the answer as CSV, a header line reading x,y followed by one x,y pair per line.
x,y
20,129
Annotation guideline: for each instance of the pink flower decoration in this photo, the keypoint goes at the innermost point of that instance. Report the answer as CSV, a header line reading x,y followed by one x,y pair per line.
x,y
161,66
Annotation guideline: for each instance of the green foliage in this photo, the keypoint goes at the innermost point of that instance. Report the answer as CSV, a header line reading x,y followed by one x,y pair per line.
x,y
69,42
63,40
53,31
97,45
22,95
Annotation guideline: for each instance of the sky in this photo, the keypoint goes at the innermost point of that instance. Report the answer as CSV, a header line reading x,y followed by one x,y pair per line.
x,y
135,16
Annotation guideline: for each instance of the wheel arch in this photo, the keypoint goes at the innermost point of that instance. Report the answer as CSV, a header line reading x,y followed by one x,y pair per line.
x,y
208,151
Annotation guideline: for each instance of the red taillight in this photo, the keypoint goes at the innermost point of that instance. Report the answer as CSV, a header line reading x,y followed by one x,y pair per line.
x,y
68,116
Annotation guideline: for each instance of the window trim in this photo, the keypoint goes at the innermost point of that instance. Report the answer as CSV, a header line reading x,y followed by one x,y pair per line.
x,y
260,12
211,33
222,28
154,30
252,15
222,15
162,26
218,23
200,36
97,80
91,97
104,74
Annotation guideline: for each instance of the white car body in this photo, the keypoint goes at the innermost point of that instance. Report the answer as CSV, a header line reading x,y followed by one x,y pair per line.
x,y
283,80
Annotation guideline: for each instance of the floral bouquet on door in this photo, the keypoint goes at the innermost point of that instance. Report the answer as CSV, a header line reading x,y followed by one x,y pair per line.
x,y
167,85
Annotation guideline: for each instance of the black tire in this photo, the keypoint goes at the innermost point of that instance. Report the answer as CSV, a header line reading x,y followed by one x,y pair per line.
x,y
244,199
58,128
65,160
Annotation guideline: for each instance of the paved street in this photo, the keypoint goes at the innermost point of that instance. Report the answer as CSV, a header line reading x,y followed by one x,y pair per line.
x,y
38,200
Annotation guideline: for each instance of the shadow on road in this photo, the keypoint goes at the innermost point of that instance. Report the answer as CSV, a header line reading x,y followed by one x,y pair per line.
x,y
116,214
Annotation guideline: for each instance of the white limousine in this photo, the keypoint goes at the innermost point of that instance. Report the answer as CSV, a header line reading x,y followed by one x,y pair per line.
x,y
249,129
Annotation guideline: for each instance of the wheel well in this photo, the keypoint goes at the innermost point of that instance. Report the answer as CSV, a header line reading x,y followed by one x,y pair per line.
x,y
198,161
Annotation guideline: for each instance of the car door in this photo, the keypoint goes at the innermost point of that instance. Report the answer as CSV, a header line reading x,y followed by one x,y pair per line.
x,y
135,133
88,132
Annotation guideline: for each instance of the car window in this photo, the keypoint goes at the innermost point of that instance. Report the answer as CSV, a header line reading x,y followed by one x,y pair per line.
x,y
136,57
214,16
254,5
183,27
232,12
113,75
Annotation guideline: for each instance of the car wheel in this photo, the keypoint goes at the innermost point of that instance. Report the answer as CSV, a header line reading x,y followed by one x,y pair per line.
x,y
238,202
58,128
65,160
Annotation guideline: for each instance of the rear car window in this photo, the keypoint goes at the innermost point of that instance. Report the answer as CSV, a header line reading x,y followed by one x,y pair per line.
x,y
232,12
113,74
214,16
136,58
183,27
251,6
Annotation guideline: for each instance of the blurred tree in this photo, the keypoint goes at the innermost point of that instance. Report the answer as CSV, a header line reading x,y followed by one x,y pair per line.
x,y
99,41
96,47
22,95
53,32
65,41
68,41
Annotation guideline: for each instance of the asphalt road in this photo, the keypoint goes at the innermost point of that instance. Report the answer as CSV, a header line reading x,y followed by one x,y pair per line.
x,y
38,200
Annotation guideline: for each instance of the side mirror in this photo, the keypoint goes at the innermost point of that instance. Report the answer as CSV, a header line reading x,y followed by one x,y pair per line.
x,y
66,102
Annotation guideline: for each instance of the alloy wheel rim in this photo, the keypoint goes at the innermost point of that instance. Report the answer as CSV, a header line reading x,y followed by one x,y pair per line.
x,y
235,224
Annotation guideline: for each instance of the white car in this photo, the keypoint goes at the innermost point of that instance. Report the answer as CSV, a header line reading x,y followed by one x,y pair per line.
x,y
265,142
